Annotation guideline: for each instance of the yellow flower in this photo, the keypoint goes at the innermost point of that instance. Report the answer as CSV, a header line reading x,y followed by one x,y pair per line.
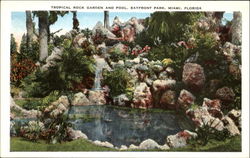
x,y
167,61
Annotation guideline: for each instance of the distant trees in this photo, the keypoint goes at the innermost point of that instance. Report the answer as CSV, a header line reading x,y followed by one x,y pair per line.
x,y
13,45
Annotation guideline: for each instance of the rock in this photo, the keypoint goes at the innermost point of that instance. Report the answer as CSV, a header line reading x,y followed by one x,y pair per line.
x,y
132,146
163,75
180,139
121,48
236,28
148,144
97,97
58,107
193,76
225,94
121,100
157,68
142,96
149,82
22,113
99,30
214,107
161,85
200,116
185,99
104,144
214,85
75,134
51,60
235,115
170,70
78,40
230,126
124,147
168,99
230,50
80,100
164,147
234,70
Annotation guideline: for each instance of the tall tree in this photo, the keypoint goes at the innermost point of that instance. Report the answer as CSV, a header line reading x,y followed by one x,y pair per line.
x,y
75,21
106,19
30,29
45,19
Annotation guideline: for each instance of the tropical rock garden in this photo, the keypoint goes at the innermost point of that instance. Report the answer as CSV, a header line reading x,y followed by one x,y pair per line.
x,y
188,63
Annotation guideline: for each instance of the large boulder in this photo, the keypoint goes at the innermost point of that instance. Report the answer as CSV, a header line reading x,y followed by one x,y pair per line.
x,y
235,115
161,85
168,99
121,100
180,139
213,107
97,97
79,40
148,144
142,96
99,30
80,99
75,134
200,116
230,126
225,94
193,76
185,99
57,107
104,144
51,60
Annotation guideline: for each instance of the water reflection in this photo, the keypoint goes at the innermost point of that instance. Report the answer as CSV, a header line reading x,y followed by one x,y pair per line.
x,y
125,127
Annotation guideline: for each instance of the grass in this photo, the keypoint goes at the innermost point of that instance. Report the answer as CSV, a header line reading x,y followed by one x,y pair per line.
x,y
19,144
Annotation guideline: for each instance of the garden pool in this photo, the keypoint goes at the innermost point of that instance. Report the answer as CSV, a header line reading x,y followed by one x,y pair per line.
x,y
125,126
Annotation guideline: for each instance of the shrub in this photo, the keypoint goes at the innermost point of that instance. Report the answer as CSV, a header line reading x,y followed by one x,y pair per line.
x,y
206,133
118,81
32,130
20,68
116,55
67,74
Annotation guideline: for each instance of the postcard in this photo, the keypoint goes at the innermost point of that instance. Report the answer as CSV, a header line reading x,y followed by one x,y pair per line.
x,y
124,79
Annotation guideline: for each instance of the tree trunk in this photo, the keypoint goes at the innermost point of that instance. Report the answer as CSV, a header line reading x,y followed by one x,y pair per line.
x,y
43,35
106,19
30,29
236,28
75,21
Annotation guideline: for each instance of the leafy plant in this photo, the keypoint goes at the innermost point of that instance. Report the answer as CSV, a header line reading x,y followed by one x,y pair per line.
x,y
206,133
32,130
118,81
74,68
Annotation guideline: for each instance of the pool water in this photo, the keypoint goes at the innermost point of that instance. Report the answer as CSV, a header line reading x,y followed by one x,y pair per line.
x,y
126,126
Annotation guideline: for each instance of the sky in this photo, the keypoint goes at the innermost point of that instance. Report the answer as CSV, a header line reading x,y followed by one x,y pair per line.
x,y
86,20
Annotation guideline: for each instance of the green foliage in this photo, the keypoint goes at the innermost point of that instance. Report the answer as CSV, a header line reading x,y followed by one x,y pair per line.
x,y
118,81
116,55
166,27
56,129
38,103
31,53
32,130
206,133
71,70
13,47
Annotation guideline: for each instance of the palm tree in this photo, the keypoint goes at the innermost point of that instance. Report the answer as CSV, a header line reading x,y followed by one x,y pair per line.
x,y
106,19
